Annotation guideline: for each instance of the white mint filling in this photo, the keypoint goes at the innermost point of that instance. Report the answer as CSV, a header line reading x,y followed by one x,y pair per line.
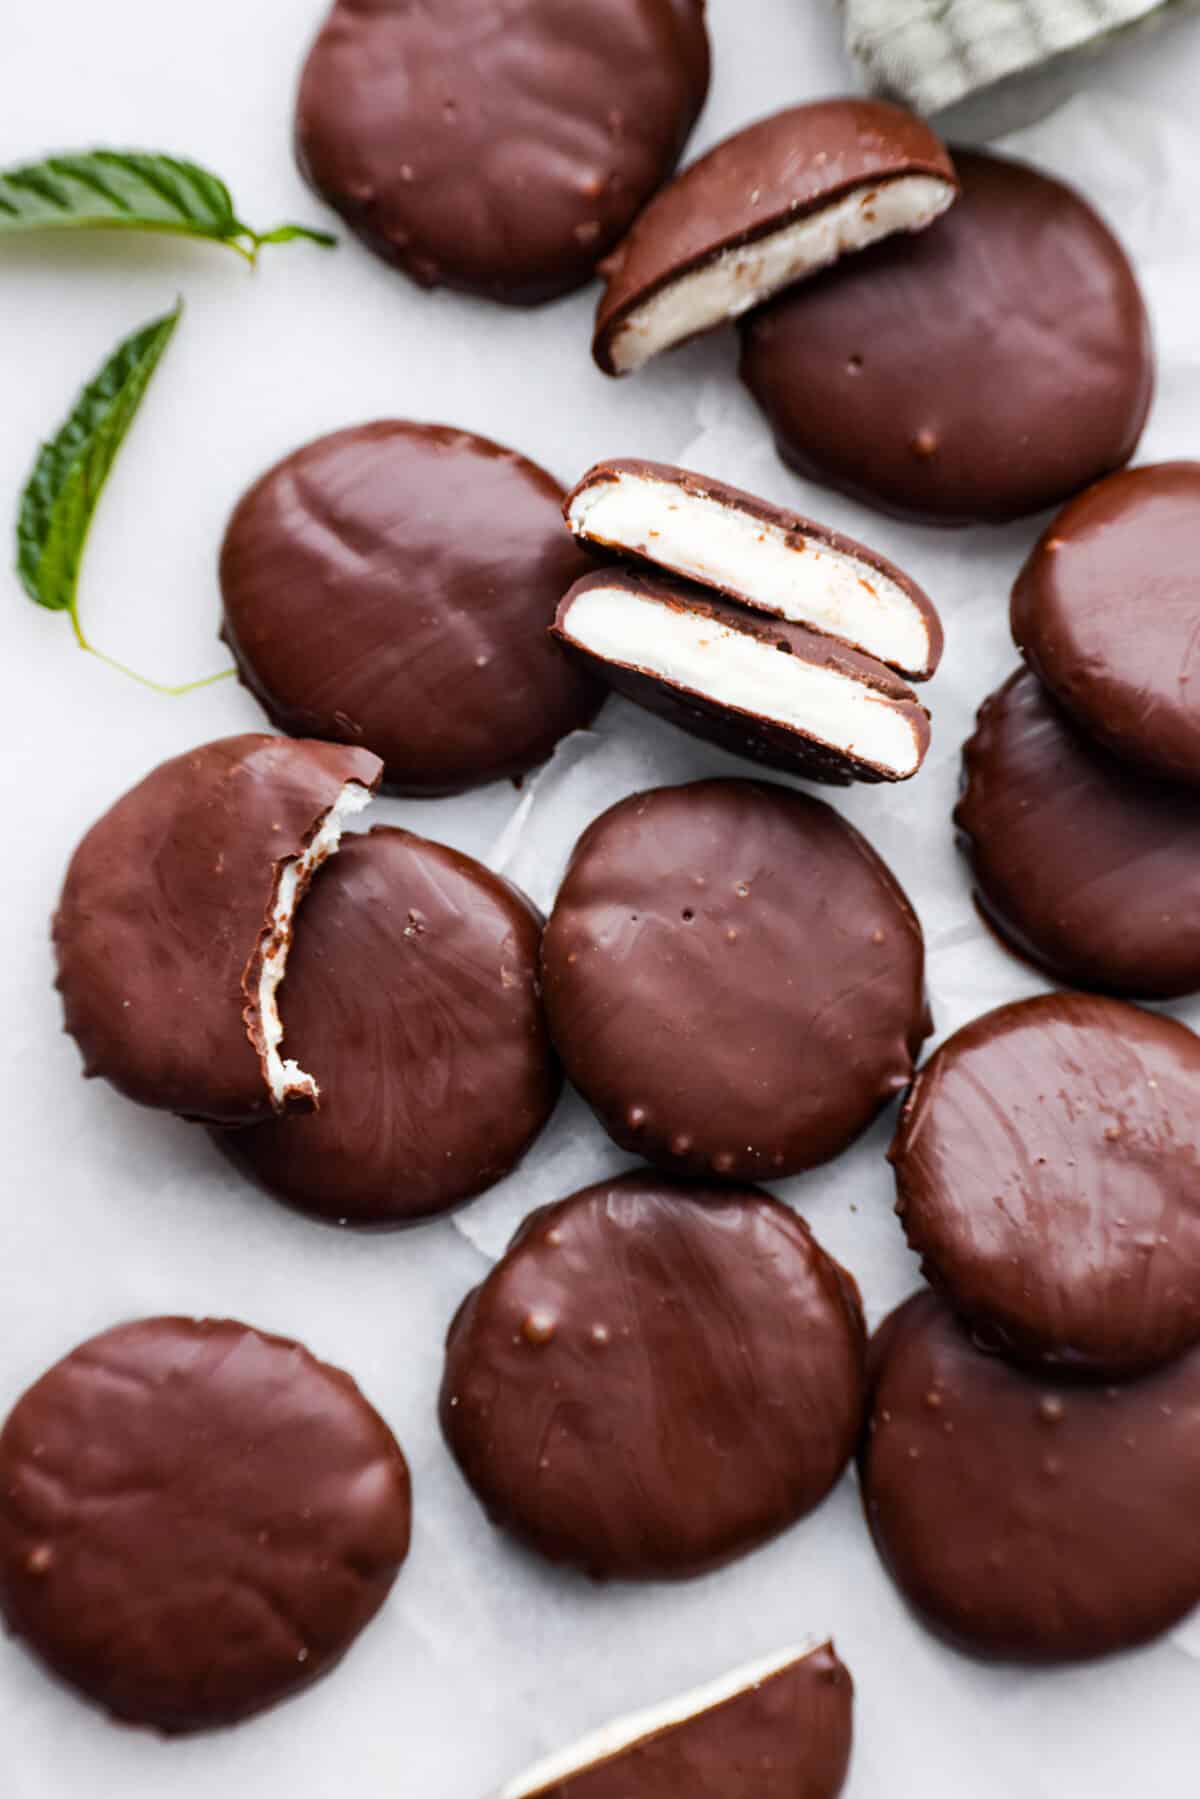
x,y
718,545
712,658
740,278
287,1077
600,1744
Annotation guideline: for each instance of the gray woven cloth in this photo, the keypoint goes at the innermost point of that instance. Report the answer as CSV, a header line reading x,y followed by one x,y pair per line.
x,y
933,52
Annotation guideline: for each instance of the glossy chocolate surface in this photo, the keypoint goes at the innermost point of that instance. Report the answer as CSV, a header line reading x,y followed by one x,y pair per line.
x,y
1107,611
158,928
761,179
500,154
790,749
787,1737
1047,1168
656,1377
196,1520
1026,1517
733,978
980,370
1083,865
393,585
413,991
807,535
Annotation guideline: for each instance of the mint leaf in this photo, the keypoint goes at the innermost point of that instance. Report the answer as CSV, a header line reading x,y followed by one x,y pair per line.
x,y
116,190
69,474
68,477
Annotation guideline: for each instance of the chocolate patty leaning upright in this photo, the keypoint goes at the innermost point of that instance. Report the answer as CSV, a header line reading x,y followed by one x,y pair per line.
x,y
733,978
502,150
392,586
655,1377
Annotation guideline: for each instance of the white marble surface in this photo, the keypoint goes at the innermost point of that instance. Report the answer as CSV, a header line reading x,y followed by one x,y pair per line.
x,y
483,1658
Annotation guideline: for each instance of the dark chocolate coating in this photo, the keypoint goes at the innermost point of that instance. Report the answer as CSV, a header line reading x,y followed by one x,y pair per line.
x,y
500,153
158,927
1107,611
763,740
196,1520
733,978
1047,1165
804,530
762,179
980,370
1084,866
656,1377
413,991
1024,1517
786,1738
393,585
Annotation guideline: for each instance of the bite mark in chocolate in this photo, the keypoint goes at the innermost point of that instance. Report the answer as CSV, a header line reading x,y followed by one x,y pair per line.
x,y
175,923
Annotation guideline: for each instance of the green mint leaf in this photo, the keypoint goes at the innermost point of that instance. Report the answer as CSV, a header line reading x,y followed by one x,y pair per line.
x,y
131,190
68,477
70,471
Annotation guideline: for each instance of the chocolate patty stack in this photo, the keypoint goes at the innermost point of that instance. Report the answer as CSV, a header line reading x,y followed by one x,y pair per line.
x,y
1031,1464
1038,1413
1080,812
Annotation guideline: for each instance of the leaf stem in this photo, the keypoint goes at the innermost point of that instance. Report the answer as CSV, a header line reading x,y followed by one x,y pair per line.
x,y
143,680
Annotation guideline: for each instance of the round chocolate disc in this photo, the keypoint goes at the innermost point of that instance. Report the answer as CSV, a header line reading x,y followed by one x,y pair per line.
x,y
196,1520
413,991
1047,1165
656,1377
500,153
982,369
1107,611
164,926
393,585
1086,867
733,978
1026,1518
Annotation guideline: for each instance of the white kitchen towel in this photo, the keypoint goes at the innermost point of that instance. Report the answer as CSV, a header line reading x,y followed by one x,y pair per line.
x,y
933,52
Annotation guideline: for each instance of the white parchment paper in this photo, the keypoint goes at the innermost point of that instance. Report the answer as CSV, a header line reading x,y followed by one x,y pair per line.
x,y
483,1658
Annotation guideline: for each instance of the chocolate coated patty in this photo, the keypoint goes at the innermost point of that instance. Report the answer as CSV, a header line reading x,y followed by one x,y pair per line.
x,y
655,1377
196,1519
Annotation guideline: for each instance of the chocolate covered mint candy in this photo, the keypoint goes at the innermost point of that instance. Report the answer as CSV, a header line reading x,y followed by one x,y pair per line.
x,y
767,207
500,154
656,1377
175,922
196,1520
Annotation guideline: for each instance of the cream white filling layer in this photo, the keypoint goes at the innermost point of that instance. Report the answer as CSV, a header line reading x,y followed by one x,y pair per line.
x,y
719,546
726,665
286,1077
610,1739
744,277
